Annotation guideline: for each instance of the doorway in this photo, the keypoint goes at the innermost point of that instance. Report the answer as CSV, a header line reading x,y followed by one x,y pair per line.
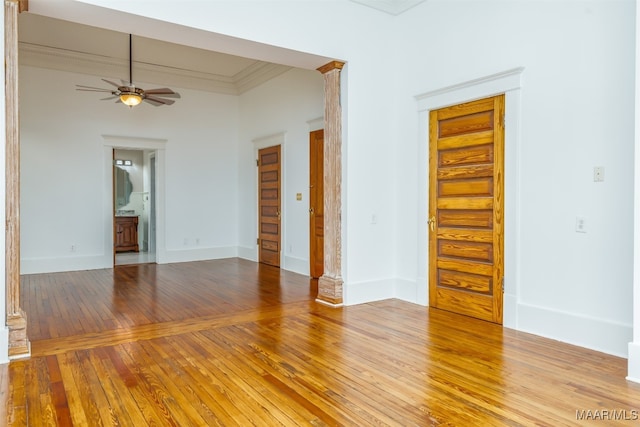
x,y
316,203
269,209
134,206
153,155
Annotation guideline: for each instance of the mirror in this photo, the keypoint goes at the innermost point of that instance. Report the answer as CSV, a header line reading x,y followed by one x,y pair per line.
x,y
123,187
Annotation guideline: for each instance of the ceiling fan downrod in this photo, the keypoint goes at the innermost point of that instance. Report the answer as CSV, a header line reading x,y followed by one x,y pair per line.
x,y
130,63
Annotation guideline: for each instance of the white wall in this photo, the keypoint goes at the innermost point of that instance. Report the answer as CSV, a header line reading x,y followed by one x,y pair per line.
x,y
283,105
634,346
62,170
576,113
210,180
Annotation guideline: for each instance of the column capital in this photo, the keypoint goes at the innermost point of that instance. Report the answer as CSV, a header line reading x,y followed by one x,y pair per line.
x,y
333,65
23,5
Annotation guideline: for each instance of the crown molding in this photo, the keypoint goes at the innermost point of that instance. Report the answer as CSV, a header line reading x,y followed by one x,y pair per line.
x,y
392,7
258,73
107,67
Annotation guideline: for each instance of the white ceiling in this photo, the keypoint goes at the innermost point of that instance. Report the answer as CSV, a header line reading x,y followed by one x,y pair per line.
x,y
68,46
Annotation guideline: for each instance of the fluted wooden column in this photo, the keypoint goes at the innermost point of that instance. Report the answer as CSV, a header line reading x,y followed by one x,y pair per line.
x,y
16,319
330,283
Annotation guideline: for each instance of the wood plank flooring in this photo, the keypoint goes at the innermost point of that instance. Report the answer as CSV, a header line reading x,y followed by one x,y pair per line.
x,y
230,342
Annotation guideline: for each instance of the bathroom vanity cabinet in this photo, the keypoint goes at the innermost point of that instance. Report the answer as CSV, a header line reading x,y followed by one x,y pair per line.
x,y
126,238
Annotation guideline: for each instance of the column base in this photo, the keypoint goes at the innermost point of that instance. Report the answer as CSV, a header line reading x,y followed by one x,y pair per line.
x,y
330,291
19,345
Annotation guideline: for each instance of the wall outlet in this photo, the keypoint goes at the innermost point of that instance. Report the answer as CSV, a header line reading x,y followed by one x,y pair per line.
x,y
581,224
598,174
73,248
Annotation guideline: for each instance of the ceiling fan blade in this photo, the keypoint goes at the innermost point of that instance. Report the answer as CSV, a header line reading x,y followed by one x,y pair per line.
x,y
95,90
158,101
109,98
111,83
165,91
165,95
92,87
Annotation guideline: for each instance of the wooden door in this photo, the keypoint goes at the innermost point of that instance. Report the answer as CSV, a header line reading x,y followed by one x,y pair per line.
x,y
269,205
466,208
316,203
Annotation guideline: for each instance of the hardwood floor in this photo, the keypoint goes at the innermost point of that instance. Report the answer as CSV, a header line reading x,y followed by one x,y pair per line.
x,y
230,342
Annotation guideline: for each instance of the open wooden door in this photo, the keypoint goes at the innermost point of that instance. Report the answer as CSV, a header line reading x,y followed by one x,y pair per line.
x,y
269,205
466,208
316,203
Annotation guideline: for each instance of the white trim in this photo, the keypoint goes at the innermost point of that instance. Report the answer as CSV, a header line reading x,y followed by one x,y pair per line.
x,y
406,290
392,7
368,291
259,144
200,254
483,87
268,141
297,265
69,263
634,362
134,142
247,253
509,83
4,345
316,124
584,331
110,143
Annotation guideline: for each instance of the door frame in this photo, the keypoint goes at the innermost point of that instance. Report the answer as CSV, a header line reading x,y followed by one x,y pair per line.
x,y
153,207
508,82
111,142
259,144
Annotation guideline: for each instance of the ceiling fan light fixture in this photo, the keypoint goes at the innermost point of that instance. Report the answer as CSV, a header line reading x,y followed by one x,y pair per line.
x,y
130,99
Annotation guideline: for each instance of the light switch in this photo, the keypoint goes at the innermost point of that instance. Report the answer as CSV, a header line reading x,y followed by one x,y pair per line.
x,y
298,196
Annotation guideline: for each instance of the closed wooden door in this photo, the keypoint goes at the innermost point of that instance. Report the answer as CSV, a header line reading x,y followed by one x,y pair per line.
x,y
316,203
269,205
466,208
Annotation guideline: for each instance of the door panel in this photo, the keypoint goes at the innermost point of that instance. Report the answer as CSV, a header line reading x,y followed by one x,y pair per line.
x,y
466,208
269,206
316,203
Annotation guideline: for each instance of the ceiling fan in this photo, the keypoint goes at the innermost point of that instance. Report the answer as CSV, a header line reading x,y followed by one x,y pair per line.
x,y
130,95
